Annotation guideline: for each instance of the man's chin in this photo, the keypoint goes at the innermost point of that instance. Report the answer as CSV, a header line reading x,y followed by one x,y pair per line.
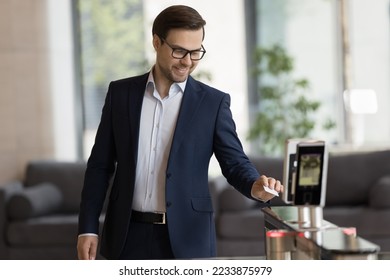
x,y
180,78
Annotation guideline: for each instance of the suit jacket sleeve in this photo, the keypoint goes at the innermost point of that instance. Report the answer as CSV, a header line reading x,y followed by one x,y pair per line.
x,y
100,168
235,165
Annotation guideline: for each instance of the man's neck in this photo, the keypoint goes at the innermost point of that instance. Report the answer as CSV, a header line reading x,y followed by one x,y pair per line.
x,y
162,85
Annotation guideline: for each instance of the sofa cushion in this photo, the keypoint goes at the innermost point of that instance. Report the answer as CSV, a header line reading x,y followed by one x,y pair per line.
x,y
350,176
380,194
247,224
49,230
232,200
54,230
34,201
367,221
269,166
67,176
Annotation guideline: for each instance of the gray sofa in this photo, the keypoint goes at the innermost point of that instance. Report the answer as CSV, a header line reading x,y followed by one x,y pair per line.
x,y
38,217
358,195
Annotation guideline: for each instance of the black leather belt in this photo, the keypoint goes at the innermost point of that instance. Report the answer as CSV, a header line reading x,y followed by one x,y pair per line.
x,y
148,217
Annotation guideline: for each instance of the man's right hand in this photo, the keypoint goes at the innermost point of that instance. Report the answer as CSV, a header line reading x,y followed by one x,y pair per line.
x,y
87,247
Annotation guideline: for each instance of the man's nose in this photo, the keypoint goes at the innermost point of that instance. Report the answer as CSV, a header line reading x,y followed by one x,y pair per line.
x,y
186,60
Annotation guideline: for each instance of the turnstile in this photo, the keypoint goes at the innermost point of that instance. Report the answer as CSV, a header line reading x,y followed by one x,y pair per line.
x,y
300,232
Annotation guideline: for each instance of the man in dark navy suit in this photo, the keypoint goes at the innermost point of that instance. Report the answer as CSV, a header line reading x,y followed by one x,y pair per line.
x,y
157,134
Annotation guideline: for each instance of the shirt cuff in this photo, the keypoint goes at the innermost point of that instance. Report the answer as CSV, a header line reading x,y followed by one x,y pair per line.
x,y
88,234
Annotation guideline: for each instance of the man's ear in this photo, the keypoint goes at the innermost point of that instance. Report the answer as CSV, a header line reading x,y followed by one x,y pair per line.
x,y
156,42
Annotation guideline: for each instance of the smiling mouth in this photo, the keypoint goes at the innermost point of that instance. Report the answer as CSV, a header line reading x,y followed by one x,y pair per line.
x,y
181,70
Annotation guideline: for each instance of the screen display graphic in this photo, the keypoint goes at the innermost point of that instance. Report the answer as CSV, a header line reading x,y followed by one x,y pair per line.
x,y
310,170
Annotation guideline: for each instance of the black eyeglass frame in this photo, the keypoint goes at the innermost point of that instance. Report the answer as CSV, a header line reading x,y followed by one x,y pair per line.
x,y
202,51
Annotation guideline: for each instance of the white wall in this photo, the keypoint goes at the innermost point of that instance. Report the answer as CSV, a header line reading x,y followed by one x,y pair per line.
x,y
60,49
370,40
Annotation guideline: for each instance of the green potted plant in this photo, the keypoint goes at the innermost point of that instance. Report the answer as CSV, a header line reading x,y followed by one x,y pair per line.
x,y
284,110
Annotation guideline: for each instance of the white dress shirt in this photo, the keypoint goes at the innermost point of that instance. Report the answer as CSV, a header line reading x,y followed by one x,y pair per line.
x,y
157,126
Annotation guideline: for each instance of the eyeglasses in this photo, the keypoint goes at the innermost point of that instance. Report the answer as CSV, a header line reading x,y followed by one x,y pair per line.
x,y
180,53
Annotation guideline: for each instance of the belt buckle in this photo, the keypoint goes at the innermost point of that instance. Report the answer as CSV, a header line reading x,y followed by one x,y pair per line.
x,y
163,219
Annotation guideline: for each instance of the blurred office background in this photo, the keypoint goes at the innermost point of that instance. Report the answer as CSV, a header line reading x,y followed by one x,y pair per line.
x,y
58,56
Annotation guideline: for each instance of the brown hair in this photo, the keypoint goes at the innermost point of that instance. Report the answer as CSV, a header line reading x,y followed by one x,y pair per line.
x,y
177,16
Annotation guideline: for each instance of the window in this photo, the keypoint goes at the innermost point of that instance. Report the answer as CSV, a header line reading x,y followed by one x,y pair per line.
x,y
111,39
310,31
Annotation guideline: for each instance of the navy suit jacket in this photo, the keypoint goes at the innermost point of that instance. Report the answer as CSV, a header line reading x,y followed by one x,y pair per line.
x,y
204,126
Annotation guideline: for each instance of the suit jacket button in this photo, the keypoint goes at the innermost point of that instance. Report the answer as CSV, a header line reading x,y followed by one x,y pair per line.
x,y
169,175
169,204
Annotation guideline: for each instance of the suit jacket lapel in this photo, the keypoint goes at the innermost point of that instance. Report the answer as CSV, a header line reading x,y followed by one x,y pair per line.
x,y
136,94
192,99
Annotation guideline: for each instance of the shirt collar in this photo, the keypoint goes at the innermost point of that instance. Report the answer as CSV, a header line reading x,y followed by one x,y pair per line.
x,y
181,86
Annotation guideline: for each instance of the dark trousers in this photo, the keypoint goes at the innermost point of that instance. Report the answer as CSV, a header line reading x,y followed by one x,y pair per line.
x,y
147,241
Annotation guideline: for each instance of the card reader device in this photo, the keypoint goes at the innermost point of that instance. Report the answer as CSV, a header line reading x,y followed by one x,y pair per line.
x,y
305,172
